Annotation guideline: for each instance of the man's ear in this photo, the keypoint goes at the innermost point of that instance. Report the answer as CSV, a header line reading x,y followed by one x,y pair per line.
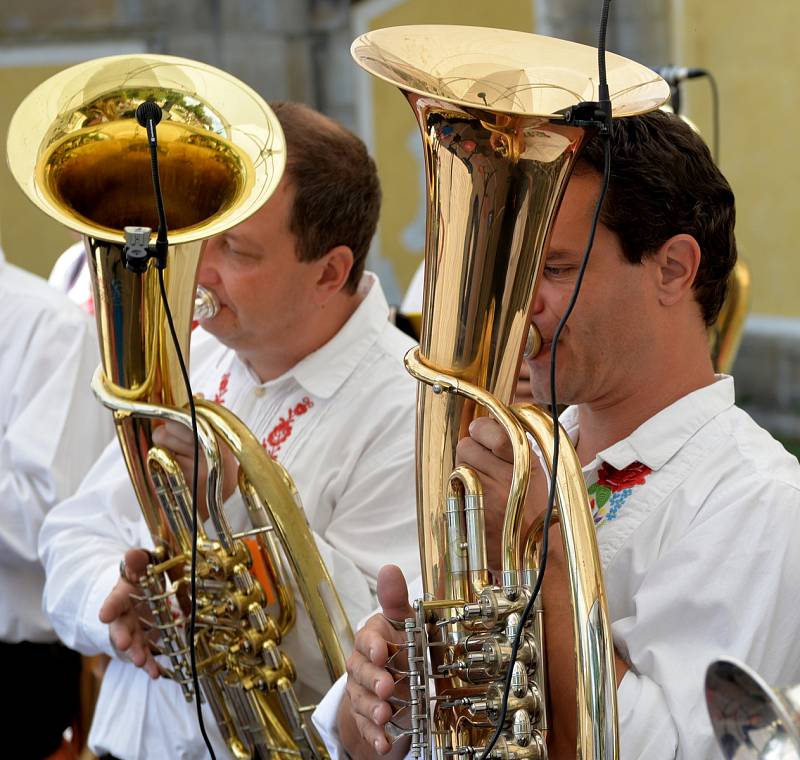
x,y
333,270
677,261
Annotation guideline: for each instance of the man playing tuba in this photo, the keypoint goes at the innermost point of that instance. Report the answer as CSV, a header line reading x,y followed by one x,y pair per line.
x,y
302,350
696,508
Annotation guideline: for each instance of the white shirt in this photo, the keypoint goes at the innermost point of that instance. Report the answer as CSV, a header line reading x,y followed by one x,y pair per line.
x,y
342,423
70,274
51,431
701,560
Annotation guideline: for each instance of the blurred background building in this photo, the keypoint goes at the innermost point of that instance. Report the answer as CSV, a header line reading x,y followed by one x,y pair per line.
x,y
299,50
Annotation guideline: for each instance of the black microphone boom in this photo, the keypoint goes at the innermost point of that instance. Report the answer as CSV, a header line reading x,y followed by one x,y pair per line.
x,y
674,75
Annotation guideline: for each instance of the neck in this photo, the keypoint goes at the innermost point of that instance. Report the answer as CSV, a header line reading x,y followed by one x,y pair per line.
x,y
605,421
320,326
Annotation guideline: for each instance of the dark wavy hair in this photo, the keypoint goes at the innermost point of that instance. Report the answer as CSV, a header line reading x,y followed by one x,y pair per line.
x,y
664,183
337,194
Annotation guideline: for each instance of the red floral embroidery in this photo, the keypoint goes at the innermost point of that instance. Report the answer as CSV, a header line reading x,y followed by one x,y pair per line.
x,y
281,432
613,487
617,480
219,396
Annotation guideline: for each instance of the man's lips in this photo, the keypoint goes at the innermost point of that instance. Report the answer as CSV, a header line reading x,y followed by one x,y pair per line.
x,y
544,351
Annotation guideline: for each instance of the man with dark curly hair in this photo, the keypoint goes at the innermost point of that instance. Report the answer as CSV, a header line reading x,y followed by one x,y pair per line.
x,y
696,508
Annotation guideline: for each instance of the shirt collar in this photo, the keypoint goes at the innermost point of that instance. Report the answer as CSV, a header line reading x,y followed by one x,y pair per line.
x,y
323,371
658,439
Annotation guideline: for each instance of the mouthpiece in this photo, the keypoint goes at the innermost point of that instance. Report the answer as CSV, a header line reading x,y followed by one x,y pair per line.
x,y
533,344
206,304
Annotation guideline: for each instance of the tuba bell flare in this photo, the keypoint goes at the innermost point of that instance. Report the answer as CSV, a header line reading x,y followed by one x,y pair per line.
x,y
492,106
78,152
751,720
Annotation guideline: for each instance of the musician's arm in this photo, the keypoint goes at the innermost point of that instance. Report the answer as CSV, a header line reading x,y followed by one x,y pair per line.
x,y
81,544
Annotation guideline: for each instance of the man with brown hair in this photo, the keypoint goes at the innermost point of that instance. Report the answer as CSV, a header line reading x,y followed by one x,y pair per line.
x,y
697,509
302,350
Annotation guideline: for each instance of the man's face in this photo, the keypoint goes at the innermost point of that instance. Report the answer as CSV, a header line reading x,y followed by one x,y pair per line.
x,y
264,291
605,339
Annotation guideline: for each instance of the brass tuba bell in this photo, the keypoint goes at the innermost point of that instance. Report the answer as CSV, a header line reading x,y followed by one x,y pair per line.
x,y
751,720
77,151
492,108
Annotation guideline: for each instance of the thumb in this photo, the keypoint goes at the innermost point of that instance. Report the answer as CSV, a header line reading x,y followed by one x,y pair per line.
x,y
136,562
393,593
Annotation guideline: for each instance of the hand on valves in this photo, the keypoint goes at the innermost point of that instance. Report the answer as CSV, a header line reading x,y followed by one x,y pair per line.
x,y
178,439
121,610
365,709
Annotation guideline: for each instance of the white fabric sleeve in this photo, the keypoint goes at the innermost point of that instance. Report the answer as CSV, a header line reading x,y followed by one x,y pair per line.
x,y
81,545
637,696
53,429
700,599
324,718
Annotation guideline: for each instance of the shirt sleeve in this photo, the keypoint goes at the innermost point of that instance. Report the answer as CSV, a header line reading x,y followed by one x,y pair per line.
x,y
53,427
727,586
324,718
81,544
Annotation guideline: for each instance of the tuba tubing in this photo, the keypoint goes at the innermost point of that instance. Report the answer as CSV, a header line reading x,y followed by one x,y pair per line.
x,y
491,109
77,151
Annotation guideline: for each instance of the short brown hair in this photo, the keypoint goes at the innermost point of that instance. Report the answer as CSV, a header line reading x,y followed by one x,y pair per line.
x,y
337,194
664,182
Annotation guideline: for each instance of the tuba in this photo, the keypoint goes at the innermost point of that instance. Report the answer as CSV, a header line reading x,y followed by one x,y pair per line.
x,y
494,109
77,151
751,720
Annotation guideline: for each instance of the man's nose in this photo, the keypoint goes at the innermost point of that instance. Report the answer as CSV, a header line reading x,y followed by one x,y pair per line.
x,y
207,273
538,301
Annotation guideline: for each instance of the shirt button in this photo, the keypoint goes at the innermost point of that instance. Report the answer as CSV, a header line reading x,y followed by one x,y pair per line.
x,y
259,391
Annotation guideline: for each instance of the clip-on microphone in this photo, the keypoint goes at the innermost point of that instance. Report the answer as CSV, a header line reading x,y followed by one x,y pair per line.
x,y
137,250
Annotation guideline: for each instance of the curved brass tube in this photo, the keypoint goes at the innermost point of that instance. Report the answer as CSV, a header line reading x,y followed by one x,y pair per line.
x,y
77,150
493,109
594,651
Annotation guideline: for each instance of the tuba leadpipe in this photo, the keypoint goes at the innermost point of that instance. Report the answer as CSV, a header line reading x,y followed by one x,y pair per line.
x,y
77,151
492,108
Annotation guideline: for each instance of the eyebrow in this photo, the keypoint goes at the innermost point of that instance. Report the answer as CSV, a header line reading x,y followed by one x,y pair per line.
x,y
561,253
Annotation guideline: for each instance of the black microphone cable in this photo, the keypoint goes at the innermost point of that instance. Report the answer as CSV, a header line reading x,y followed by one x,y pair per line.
x,y
674,76
148,114
605,132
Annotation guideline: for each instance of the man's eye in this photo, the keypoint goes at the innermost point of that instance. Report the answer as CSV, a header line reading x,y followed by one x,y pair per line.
x,y
557,271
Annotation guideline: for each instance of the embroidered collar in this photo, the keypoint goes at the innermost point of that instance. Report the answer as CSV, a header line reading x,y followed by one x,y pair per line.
x,y
322,372
657,440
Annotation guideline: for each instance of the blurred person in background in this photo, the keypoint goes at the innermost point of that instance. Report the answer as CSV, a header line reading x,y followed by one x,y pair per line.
x,y
52,430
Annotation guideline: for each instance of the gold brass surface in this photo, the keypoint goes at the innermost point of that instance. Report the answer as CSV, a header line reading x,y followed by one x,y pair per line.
x,y
503,71
725,334
75,148
498,154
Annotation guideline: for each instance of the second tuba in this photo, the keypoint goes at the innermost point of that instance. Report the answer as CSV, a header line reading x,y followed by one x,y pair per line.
x,y
493,110
77,151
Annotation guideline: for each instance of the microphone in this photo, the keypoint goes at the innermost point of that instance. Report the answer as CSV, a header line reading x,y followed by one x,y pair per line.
x,y
148,114
137,251
674,75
